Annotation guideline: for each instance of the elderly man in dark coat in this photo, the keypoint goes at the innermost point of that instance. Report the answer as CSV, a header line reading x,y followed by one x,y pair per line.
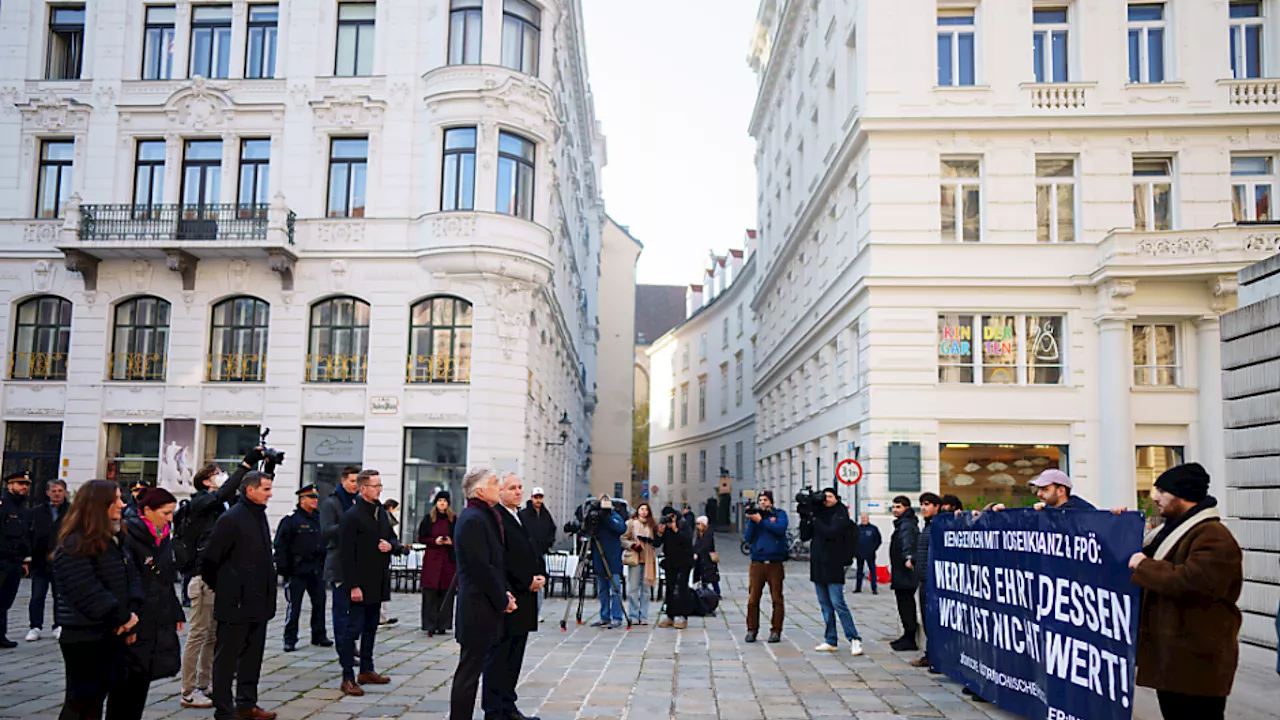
x,y
1190,571
525,578
483,596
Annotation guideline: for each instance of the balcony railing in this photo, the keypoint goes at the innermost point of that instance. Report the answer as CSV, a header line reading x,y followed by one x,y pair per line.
x,y
337,368
1058,96
236,367
176,222
438,369
138,366
1257,92
38,366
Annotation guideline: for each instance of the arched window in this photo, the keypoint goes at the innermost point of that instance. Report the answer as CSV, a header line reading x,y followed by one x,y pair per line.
x,y
140,342
338,350
238,340
41,339
440,341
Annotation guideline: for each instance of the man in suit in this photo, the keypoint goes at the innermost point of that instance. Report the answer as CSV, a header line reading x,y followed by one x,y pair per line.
x,y
366,543
483,597
524,575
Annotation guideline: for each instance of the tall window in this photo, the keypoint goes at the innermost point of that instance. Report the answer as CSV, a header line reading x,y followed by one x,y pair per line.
x,y
724,333
133,453
238,340
435,459
520,33
1146,42
354,55
724,388
55,177
1246,39
1050,34
1001,349
702,347
737,381
1252,182
702,466
202,173
684,404
140,341
41,339
1155,355
961,200
458,189
515,175
684,468
1153,193
737,460
255,172
338,349
211,41
740,321
702,398
348,166
157,43
671,469
227,445
671,415
1055,200
684,355
66,43
956,60
440,341
260,54
465,20
148,179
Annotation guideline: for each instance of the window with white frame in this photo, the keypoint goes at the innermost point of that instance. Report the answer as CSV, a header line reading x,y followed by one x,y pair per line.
x,y
702,398
671,469
684,468
724,335
1055,199
702,346
684,355
737,380
961,197
1246,39
739,319
724,388
684,404
702,467
1252,181
1155,356
1004,349
1050,41
1147,24
671,413
1153,193
957,62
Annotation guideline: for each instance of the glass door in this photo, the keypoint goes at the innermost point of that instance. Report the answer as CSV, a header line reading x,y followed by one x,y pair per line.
x,y
201,190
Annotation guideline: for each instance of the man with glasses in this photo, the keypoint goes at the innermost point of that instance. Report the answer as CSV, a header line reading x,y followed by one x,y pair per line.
x,y
15,547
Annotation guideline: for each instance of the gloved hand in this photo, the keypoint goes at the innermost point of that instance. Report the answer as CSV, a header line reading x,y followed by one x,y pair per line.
x,y
269,469
254,456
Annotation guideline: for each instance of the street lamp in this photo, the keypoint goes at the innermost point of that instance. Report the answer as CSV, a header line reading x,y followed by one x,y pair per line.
x,y
565,423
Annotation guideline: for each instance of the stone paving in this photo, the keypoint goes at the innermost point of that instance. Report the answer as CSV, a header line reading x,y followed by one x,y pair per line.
x,y
704,672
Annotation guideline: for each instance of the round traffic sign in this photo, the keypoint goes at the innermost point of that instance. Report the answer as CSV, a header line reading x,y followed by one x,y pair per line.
x,y
645,493
849,471
654,489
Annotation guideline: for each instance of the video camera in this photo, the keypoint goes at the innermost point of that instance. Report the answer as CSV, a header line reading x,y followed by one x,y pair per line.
x,y
808,501
592,512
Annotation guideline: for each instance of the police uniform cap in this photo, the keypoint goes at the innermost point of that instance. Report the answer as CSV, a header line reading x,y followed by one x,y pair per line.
x,y
308,489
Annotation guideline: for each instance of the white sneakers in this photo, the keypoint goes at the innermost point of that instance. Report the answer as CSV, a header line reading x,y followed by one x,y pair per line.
x,y
826,648
57,633
197,699
33,634
855,647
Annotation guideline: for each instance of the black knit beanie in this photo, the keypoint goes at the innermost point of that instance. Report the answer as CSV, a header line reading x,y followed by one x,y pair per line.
x,y
1189,482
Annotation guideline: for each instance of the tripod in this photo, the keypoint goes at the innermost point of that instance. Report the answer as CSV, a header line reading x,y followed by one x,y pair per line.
x,y
580,575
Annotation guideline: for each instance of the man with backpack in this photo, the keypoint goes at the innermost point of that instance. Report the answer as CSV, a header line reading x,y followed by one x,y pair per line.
x,y
833,543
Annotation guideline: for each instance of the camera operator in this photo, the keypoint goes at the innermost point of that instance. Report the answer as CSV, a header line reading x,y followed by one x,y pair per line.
x,y
676,540
767,534
608,527
834,541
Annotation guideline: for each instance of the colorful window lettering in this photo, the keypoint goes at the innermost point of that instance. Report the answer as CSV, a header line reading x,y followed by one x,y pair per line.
x,y
1000,349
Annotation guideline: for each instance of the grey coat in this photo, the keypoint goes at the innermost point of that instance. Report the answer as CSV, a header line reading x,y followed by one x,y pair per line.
x,y
331,511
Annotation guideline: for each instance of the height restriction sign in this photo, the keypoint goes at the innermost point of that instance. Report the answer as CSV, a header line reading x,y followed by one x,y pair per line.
x,y
849,471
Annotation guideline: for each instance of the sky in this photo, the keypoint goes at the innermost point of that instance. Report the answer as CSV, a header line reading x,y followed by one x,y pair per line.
x,y
674,95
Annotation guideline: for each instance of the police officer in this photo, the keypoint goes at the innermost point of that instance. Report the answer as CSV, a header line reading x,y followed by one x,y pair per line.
x,y
15,547
136,488
299,556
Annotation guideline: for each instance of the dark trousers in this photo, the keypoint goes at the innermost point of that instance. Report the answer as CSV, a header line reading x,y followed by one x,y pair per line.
x,y
294,589
677,592
186,595
94,670
863,564
435,618
237,656
907,612
502,672
924,609
1176,706
10,579
41,585
472,662
128,700
362,623
341,609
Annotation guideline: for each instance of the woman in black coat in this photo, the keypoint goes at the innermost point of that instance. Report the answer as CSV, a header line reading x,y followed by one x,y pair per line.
x,y
156,653
98,596
706,561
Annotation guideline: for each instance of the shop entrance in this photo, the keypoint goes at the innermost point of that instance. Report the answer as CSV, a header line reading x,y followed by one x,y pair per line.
x,y
982,474
33,447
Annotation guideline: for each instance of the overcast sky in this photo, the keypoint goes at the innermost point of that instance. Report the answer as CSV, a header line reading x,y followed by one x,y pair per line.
x,y
674,94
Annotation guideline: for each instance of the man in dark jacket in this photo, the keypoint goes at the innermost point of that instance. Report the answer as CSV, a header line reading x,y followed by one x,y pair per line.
x,y
300,551
902,545
767,534
537,519
15,547
606,558
46,521
868,543
483,595
919,560
833,543
526,579
238,561
676,541
366,543
331,511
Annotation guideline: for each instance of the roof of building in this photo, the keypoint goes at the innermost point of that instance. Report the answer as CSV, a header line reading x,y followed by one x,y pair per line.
x,y
658,309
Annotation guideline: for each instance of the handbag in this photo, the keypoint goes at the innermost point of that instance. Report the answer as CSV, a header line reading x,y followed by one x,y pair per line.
x,y
630,557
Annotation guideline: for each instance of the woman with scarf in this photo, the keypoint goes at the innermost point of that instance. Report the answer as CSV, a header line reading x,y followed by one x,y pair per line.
x,y
641,561
438,565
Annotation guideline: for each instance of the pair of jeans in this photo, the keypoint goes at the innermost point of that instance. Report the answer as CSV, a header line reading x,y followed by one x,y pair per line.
x,y
864,563
610,599
831,599
362,623
341,611
41,585
308,584
94,670
237,659
773,574
197,655
637,594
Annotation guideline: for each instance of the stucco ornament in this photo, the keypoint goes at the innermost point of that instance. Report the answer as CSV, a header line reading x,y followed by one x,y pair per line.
x,y
198,106
348,110
54,114
511,306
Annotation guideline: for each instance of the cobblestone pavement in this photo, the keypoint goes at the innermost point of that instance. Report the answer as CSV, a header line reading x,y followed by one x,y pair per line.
x,y
645,673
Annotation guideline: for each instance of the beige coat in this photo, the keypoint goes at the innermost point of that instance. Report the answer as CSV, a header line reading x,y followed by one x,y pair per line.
x,y
648,556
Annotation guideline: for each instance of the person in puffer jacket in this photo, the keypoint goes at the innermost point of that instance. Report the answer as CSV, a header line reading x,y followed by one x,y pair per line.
x,y
98,599
919,562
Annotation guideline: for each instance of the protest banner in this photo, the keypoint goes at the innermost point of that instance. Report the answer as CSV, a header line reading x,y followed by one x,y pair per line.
x,y
1035,612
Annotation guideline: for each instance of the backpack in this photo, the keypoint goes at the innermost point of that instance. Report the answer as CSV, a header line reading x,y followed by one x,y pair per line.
x,y
705,601
183,542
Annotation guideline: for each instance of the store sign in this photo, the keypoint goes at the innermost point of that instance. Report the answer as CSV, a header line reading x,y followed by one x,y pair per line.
x,y
333,445
956,340
997,340
384,405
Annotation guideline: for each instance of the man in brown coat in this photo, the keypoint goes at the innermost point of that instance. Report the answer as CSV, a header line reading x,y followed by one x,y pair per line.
x,y
1190,573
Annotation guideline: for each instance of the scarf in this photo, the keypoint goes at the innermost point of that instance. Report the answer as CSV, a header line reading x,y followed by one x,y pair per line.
x,y
1155,542
160,534
648,555
479,504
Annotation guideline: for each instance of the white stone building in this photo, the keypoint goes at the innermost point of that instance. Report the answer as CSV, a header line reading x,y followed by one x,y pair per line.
x,y
701,416
996,236
371,227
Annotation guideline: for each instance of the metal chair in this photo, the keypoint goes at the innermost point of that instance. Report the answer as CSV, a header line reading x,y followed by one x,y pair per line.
x,y
557,572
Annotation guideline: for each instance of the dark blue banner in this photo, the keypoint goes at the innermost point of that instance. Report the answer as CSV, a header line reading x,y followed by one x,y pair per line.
x,y
1034,611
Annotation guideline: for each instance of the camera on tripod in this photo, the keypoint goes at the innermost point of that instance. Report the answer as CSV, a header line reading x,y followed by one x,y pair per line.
x,y
592,512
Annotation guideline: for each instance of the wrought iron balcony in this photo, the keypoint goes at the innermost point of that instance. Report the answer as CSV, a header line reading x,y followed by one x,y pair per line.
x,y
438,369
236,367
138,366
337,368
175,222
38,366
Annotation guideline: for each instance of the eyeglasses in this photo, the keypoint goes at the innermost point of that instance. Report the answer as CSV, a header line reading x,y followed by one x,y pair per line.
x,y
379,485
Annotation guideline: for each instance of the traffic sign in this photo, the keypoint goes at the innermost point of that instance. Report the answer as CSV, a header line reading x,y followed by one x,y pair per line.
x,y
654,489
849,471
645,493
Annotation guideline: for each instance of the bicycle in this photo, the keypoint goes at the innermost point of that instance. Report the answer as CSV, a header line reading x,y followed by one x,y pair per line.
x,y
797,549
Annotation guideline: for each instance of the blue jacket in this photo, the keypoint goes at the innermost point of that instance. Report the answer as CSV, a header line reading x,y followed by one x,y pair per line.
x,y
609,533
1075,502
768,537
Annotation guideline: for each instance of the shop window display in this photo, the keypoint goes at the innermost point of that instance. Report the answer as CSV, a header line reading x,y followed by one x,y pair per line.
x,y
982,474
1001,349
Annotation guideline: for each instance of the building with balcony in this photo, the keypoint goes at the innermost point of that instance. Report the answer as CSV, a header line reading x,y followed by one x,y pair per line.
x,y
371,227
981,258
701,415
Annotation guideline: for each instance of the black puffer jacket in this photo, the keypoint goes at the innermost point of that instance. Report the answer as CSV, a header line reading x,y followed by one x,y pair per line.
x,y
920,560
95,594
833,539
156,653
902,545
677,546
204,509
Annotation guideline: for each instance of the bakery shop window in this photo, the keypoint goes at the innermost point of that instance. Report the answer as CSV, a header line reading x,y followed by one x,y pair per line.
x,y
982,474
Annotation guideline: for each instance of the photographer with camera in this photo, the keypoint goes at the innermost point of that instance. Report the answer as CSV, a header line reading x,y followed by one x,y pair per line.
x,y
833,543
607,528
767,535
675,538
